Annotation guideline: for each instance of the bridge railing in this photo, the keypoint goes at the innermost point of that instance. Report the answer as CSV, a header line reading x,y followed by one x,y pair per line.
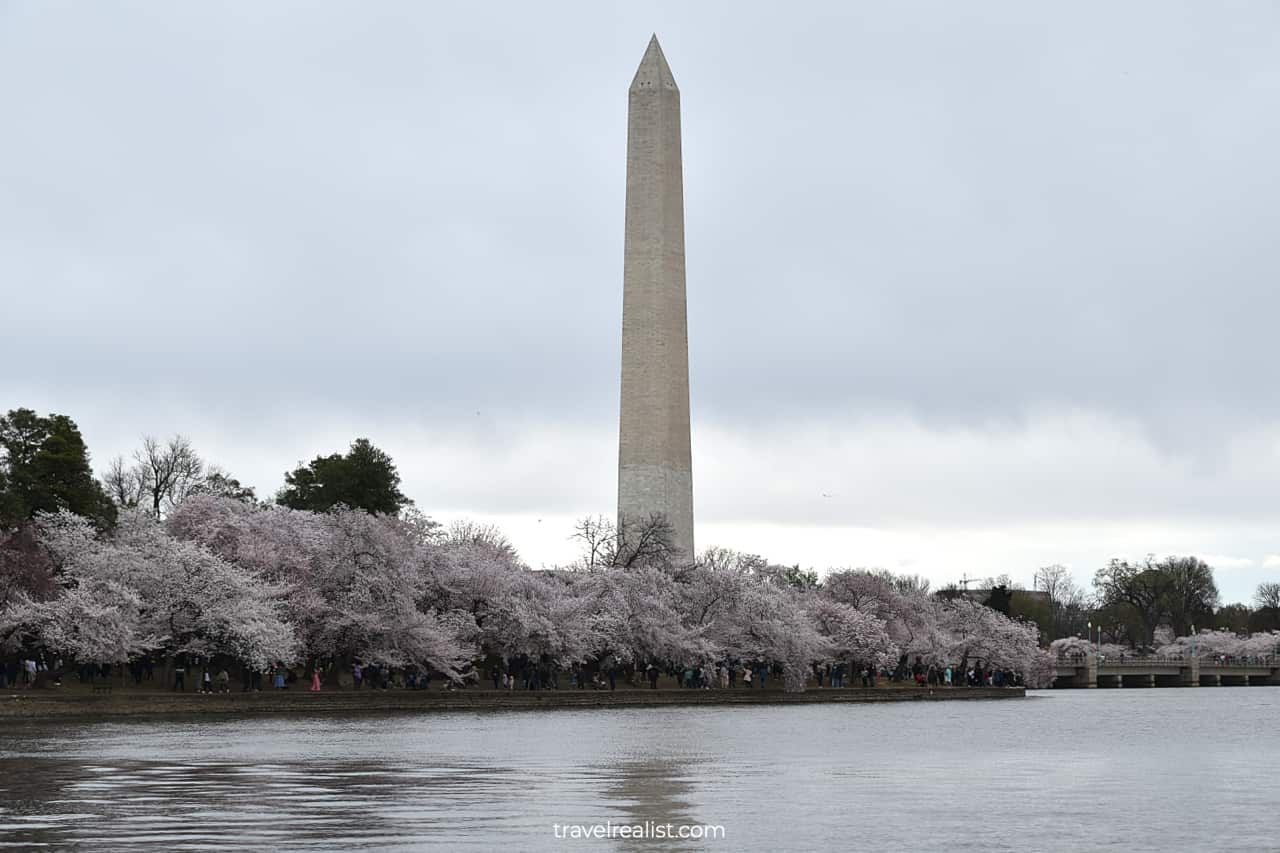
x,y
1255,662
1265,661
1105,660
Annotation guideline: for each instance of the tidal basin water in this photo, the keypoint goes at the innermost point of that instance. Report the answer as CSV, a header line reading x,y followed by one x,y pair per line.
x,y
1121,770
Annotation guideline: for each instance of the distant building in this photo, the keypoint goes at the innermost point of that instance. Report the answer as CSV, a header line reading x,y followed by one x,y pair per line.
x,y
982,596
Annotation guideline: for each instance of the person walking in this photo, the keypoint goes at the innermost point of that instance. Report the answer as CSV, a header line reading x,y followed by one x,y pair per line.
x,y
224,681
279,679
180,678
315,678
746,676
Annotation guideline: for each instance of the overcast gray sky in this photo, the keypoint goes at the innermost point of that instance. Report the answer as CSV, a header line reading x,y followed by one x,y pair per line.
x,y
972,289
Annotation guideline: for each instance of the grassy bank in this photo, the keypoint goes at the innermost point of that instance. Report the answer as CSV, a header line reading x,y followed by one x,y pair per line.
x,y
42,703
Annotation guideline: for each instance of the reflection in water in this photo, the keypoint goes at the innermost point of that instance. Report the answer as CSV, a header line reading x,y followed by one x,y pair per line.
x,y
133,805
655,791
1045,774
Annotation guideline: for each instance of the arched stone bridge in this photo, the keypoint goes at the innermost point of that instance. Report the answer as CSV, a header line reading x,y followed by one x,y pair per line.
x,y
1092,671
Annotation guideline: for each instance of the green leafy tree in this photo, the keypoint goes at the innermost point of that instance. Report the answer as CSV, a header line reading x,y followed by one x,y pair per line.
x,y
1232,617
1133,594
950,592
1190,593
1178,590
799,578
1267,600
44,467
1032,607
364,478
1000,599
10,505
220,484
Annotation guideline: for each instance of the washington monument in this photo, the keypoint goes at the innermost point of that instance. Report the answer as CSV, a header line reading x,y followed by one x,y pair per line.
x,y
655,472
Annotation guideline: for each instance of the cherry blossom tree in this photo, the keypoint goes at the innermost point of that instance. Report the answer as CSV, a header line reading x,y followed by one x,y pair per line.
x,y
97,621
221,575
360,597
913,619
869,592
980,633
748,610
278,544
25,567
139,589
852,633
1066,647
772,625
1210,644
516,611
357,586
638,614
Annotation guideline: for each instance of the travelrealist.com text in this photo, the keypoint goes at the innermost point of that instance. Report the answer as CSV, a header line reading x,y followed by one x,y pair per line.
x,y
647,830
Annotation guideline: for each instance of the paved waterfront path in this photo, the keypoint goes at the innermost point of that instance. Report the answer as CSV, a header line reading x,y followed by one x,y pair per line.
x,y
48,703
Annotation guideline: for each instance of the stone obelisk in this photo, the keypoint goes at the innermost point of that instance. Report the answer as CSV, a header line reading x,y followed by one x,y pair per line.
x,y
655,472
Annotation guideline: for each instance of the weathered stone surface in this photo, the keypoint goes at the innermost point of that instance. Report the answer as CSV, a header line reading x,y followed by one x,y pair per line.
x,y
655,471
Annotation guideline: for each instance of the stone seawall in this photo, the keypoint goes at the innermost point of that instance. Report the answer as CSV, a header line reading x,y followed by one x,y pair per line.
x,y
123,703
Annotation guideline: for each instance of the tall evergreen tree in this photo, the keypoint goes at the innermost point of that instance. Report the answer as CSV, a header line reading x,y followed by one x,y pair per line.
x,y
44,467
1000,599
364,478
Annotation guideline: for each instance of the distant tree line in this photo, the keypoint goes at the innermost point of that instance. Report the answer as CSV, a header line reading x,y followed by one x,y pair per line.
x,y
45,467
1139,605
72,544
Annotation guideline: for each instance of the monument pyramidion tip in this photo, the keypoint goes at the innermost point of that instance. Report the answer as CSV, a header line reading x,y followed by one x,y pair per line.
x,y
654,73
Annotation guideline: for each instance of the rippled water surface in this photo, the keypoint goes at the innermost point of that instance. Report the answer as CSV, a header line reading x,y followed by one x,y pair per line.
x,y
1133,770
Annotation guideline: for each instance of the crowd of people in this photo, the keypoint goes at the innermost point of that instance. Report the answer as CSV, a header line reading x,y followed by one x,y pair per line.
x,y
520,673
21,672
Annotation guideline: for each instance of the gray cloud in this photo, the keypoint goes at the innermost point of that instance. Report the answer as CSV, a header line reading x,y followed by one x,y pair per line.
x,y
250,220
